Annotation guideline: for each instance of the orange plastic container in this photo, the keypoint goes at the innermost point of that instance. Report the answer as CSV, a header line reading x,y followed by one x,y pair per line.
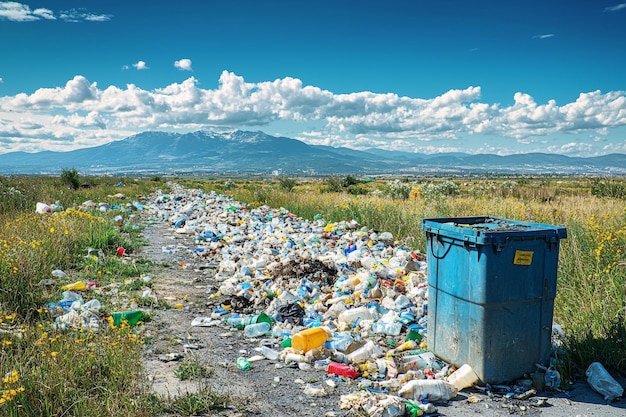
x,y
308,339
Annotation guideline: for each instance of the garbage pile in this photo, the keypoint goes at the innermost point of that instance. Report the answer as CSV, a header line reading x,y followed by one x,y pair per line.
x,y
335,296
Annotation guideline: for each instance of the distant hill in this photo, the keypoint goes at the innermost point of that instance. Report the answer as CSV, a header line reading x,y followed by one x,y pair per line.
x,y
242,152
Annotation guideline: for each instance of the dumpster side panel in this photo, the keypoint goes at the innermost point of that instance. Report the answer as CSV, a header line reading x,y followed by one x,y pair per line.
x,y
491,305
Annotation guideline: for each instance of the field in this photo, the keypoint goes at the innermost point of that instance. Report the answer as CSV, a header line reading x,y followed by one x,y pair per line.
x,y
591,296
47,372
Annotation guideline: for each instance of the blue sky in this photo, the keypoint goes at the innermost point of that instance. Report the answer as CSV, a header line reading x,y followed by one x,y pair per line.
x,y
421,76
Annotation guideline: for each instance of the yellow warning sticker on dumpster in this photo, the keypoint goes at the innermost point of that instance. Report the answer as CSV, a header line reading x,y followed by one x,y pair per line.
x,y
523,257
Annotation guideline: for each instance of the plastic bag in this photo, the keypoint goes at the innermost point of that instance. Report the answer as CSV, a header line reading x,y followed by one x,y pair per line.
x,y
601,381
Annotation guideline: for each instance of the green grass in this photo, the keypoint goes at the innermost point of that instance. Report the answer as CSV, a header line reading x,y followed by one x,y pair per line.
x,y
76,371
192,368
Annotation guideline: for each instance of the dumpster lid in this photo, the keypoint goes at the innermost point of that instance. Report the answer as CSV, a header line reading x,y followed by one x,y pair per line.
x,y
482,229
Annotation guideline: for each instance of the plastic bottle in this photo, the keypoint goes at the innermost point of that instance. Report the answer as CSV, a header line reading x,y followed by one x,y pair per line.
x,y
413,409
341,369
256,329
268,352
308,339
346,318
431,389
241,322
601,381
131,317
340,343
76,286
391,329
408,345
365,352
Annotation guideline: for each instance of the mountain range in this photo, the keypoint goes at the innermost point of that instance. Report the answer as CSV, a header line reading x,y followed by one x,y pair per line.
x,y
247,153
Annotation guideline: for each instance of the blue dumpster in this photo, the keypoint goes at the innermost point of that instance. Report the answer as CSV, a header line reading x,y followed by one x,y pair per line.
x,y
491,289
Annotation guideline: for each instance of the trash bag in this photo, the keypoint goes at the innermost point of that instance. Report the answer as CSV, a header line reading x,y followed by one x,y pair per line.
x,y
291,313
239,303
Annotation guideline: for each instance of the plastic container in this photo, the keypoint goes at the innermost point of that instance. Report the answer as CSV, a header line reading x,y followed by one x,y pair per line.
x,y
367,351
75,286
491,289
342,369
391,329
348,317
241,322
257,329
602,382
268,352
463,377
430,389
339,342
131,317
308,339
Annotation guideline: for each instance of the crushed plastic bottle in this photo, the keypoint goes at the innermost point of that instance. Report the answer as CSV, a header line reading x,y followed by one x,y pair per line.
x,y
430,389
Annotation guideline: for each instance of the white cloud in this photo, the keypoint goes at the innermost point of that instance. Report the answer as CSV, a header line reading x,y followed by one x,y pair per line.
x,y
80,15
544,36
18,12
183,64
140,65
44,13
75,91
82,111
572,148
1,80
615,8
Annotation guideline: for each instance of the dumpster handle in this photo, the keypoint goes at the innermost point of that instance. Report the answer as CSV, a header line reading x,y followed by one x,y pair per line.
x,y
432,250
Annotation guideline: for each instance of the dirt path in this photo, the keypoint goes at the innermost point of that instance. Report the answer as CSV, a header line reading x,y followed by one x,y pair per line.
x,y
271,388
268,388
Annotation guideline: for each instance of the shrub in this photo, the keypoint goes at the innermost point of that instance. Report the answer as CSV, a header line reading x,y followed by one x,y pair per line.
x,y
433,191
397,190
349,180
70,177
333,184
287,184
606,187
